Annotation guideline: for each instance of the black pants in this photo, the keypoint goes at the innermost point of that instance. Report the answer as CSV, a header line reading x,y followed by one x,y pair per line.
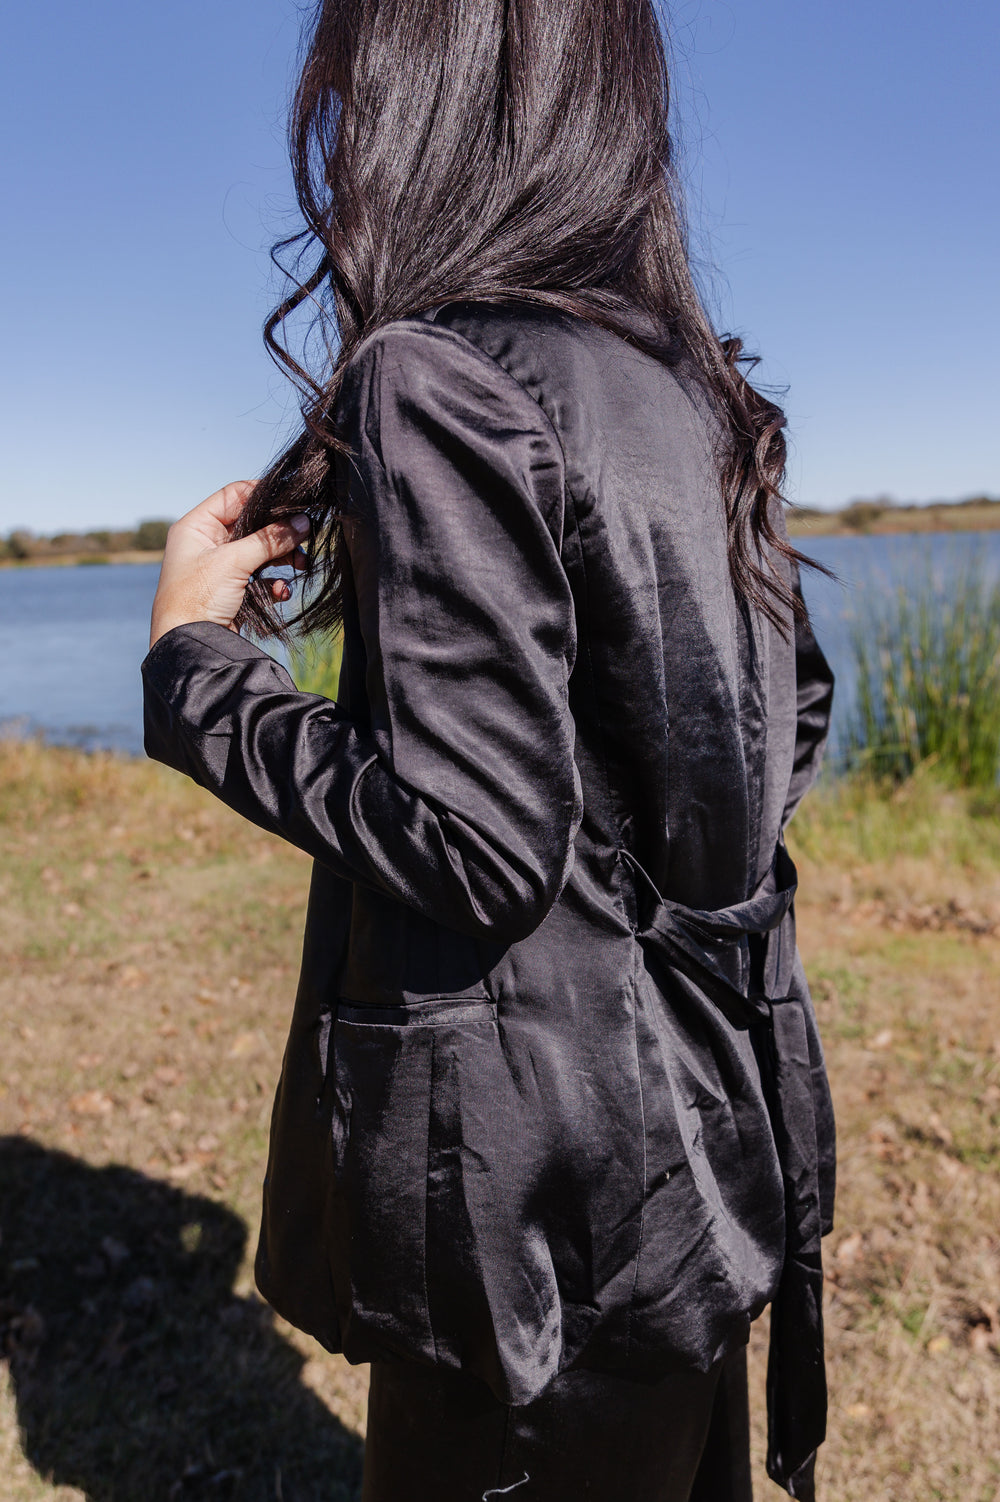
x,y
438,1436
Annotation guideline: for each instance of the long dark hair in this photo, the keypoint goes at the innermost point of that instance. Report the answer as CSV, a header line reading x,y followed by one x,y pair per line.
x,y
502,151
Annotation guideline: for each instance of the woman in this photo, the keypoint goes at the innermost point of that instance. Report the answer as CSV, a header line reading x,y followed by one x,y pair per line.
x,y
553,1126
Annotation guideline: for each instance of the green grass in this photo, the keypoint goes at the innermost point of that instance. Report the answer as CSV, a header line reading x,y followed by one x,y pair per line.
x,y
315,664
865,818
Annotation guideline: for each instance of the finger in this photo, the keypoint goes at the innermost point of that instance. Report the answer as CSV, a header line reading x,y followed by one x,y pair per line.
x,y
267,545
226,504
297,559
280,591
209,522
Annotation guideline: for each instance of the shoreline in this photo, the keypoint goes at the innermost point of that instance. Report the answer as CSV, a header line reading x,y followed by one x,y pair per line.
x,y
861,519
869,519
83,560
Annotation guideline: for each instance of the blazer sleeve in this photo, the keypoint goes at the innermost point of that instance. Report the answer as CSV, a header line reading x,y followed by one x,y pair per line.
x,y
459,796
814,704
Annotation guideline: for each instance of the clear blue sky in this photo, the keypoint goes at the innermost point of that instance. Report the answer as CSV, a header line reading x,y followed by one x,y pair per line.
x,y
843,171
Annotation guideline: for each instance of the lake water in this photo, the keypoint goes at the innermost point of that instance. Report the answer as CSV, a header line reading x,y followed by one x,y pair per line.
x,y
72,639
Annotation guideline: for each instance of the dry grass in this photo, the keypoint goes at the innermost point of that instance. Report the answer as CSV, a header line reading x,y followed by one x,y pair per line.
x,y
150,942
899,927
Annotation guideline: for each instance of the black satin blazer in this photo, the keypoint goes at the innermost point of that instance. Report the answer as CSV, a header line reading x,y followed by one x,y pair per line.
x,y
553,1093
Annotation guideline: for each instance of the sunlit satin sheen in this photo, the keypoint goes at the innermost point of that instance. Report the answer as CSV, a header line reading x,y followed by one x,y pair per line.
x,y
521,1123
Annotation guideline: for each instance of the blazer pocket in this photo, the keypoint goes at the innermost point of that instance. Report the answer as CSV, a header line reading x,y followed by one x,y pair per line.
x,y
433,1155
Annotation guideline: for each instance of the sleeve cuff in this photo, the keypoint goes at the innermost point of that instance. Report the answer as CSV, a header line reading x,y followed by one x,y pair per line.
x,y
185,647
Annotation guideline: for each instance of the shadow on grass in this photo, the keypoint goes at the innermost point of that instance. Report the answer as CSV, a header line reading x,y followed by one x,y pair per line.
x,y
139,1375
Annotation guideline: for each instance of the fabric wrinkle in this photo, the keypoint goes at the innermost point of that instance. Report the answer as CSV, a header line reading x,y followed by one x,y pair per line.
x,y
556,775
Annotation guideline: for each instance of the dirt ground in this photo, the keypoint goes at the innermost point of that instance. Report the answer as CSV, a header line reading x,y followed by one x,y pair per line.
x,y
148,949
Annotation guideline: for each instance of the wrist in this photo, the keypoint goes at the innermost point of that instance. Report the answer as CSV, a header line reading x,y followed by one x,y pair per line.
x,y
164,621
161,624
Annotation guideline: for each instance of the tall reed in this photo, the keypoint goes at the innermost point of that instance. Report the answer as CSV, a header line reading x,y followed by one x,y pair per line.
x,y
927,659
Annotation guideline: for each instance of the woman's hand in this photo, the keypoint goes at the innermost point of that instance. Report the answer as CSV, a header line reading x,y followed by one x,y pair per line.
x,y
204,573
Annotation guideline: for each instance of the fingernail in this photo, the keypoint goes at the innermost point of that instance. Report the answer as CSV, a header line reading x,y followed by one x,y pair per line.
x,y
300,524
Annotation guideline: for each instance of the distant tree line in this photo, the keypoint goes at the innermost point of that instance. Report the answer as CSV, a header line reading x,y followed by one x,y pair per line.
x,y
151,536
21,546
861,515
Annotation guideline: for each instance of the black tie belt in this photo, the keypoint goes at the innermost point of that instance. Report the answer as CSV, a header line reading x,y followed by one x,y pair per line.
x,y
710,948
